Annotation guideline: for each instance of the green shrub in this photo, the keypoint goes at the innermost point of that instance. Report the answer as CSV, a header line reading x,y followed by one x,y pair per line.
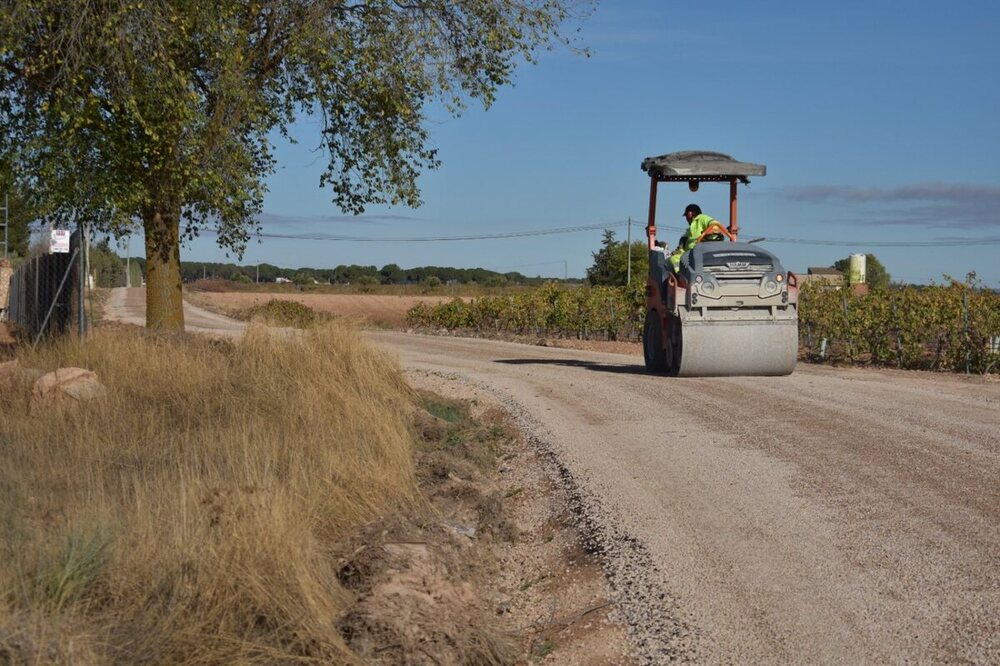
x,y
936,328
279,312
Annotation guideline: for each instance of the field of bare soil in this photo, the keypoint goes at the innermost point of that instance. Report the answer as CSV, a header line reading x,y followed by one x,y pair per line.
x,y
382,310
374,309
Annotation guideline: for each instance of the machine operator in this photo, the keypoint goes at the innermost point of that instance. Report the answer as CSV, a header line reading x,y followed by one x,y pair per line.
x,y
697,223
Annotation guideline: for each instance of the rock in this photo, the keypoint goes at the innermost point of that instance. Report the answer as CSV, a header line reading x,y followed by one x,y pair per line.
x,y
76,383
464,530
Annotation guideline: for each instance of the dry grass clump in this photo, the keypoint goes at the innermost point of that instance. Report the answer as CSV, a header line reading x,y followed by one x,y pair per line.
x,y
190,515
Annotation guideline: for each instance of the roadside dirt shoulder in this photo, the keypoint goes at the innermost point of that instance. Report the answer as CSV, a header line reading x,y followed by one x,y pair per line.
x,y
548,587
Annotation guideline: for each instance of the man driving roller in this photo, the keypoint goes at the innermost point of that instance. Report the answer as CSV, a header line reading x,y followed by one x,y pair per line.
x,y
698,222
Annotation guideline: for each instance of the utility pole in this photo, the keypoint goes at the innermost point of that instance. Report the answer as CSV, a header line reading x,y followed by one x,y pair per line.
x,y
81,257
257,281
128,259
6,223
628,242
565,270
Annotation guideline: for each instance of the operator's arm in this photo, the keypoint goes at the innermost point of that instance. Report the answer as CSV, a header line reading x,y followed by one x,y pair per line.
x,y
697,228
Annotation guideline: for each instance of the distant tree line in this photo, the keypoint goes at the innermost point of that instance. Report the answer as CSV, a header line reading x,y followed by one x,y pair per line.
x,y
352,274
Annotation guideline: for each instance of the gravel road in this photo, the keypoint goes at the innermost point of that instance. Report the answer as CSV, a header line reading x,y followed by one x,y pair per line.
x,y
129,306
833,516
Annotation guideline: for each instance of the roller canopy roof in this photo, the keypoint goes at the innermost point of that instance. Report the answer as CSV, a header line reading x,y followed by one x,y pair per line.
x,y
696,164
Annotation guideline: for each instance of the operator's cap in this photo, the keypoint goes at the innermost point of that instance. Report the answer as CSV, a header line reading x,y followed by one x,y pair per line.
x,y
692,208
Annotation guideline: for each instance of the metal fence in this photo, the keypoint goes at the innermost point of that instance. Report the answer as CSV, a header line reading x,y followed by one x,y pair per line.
x,y
44,297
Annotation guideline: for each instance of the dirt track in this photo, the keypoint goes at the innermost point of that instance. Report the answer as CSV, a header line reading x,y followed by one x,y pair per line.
x,y
834,516
129,306
379,309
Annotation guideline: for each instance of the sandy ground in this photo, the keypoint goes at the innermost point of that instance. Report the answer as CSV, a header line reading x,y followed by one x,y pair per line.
x,y
129,307
549,586
376,309
833,516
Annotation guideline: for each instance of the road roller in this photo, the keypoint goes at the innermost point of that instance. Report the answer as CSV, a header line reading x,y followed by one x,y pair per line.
x,y
729,308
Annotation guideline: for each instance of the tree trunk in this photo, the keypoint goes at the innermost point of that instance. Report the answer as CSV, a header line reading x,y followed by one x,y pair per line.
x,y
164,306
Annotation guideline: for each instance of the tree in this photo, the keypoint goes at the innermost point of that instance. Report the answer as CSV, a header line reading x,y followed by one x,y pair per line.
x,y
601,272
392,274
19,214
161,111
107,267
611,262
876,274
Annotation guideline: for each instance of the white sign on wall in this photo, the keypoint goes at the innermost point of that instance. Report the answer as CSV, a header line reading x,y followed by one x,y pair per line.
x,y
59,241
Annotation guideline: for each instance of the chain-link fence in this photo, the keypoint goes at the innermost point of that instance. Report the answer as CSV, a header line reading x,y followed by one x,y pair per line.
x,y
44,294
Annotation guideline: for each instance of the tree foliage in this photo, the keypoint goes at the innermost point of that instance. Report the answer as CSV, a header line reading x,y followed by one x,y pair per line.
x,y
18,216
354,274
610,267
163,110
105,265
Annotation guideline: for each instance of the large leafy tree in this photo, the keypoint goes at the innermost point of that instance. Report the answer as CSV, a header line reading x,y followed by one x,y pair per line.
x,y
161,110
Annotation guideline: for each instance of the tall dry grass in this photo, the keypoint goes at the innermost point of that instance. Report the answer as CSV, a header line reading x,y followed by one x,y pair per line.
x,y
193,514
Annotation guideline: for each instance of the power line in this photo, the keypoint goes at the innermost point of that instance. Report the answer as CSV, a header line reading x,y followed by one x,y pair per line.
x,y
539,263
425,239
866,243
953,242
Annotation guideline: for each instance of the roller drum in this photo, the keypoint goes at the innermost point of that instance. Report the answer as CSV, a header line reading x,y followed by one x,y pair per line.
x,y
712,348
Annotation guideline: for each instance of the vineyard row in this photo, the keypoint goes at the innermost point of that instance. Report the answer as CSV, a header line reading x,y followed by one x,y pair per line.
x,y
933,328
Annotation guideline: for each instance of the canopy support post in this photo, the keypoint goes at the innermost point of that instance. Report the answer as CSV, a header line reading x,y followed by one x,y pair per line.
x,y
734,227
651,222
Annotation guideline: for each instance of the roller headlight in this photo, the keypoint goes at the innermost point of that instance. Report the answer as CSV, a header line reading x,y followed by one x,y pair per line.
x,y
770,286
708,288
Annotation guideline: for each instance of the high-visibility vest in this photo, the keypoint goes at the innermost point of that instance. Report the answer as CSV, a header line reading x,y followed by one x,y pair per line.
x,y
696,229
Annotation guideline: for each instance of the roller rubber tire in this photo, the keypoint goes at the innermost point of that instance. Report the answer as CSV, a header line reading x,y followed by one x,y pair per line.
x,y
676,342
652,344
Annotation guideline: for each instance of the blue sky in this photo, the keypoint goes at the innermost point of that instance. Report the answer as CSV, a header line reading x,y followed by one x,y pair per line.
x,y
878,122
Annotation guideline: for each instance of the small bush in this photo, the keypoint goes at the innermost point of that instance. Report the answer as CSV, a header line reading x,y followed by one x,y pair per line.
x,y
279,312
213,285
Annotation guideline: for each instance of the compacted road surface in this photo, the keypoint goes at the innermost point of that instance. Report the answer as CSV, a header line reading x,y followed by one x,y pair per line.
x,y
129,306
833,516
